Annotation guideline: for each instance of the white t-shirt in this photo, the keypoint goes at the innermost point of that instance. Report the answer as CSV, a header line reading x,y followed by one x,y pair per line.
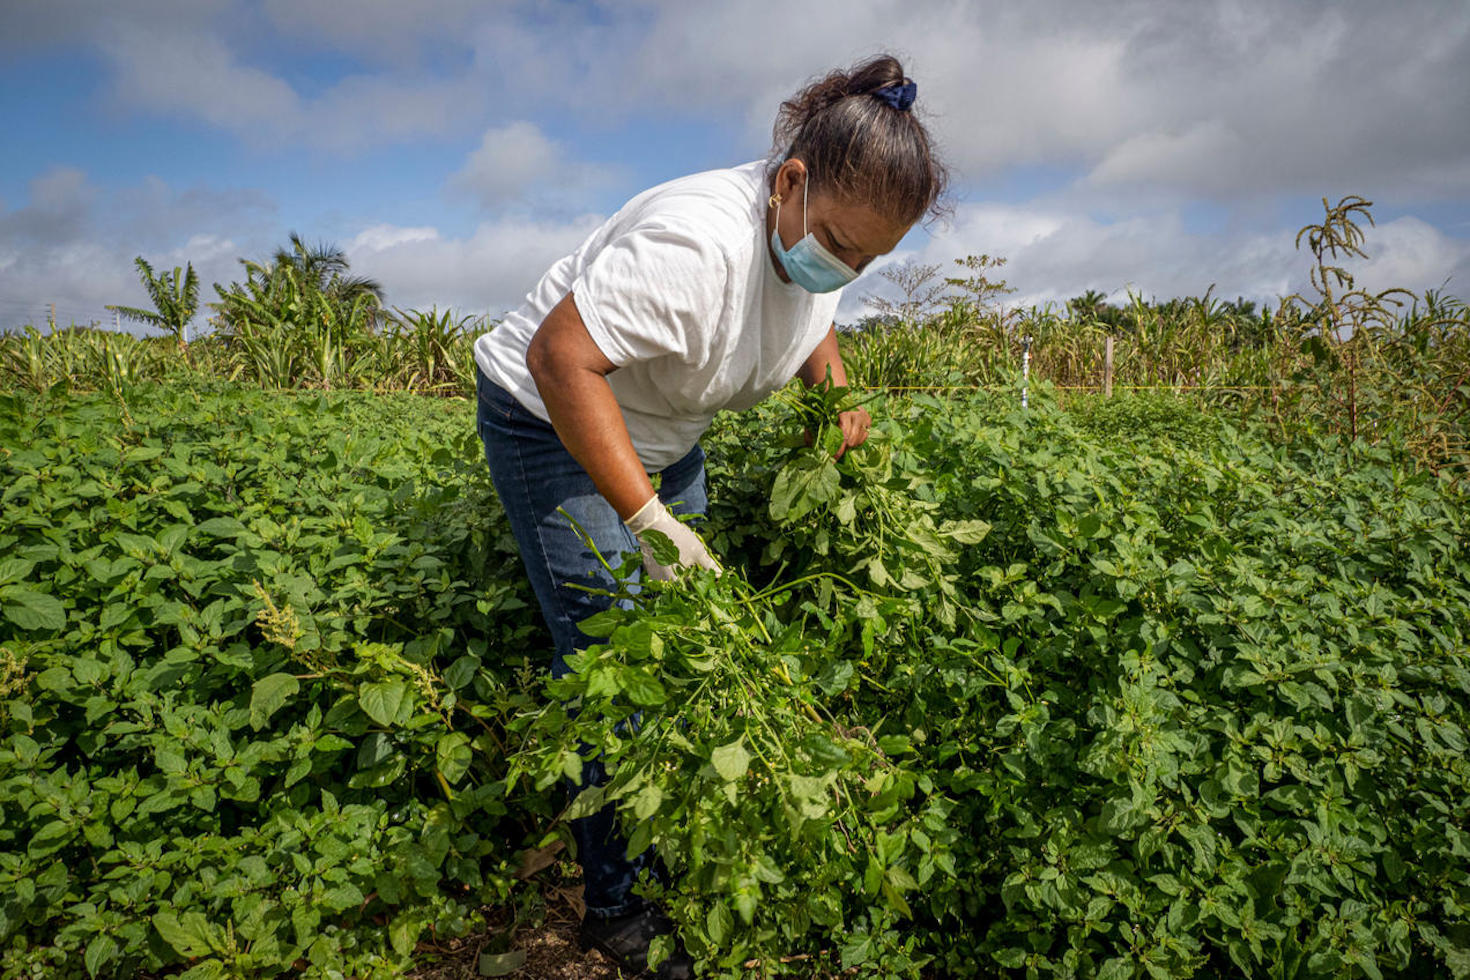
x,y
678,290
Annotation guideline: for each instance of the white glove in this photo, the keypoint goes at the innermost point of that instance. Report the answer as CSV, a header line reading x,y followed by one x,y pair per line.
x,y
654,516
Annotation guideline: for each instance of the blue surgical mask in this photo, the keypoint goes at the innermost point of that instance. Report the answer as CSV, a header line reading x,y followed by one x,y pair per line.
x,y
807,263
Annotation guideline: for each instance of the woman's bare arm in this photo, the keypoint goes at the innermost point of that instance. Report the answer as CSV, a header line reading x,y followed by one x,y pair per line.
x,y
570,372
814,370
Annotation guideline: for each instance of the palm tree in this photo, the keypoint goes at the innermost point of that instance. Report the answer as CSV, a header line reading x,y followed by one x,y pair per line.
x,y
175,298
301,315
324,267
299,283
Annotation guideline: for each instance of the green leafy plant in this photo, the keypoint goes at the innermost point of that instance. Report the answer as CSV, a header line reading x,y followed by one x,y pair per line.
x,y
1115,705
250,706
175,297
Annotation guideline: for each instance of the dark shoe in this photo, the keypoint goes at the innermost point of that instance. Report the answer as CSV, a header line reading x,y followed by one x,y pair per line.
x,y
625,939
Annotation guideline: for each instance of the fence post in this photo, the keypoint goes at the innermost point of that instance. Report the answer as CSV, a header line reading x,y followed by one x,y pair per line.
x,y
1108,368
1025,369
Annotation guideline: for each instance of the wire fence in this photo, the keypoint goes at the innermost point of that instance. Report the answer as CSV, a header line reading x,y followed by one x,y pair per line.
x,y
16,315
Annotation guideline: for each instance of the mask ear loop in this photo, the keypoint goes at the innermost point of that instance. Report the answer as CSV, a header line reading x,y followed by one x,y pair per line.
x,y
804,184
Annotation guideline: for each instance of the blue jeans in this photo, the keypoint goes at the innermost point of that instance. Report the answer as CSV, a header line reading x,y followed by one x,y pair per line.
x,y
534,475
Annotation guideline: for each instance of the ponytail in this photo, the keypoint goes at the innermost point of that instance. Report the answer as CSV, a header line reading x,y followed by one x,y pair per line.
x,y
857,135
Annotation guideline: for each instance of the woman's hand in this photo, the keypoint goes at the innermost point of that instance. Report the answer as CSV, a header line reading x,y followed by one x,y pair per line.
x,y
855,425
826,361
654,516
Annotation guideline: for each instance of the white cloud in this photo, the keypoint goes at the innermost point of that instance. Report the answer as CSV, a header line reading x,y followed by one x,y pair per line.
x,y
513,159
1221,97
194,72
380,238
27,26
1053,254
175,70
363,111
1165,156
381,31
1054,251
59,210
1218,98
72,243
1136,109
1411,253
490,271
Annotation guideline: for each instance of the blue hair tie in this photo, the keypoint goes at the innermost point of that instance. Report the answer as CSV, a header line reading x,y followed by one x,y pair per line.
x,y
898,96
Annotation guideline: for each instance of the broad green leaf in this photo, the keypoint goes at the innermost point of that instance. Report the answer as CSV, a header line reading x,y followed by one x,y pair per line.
x,y
803,485
587,802
745,902
269,695
462,671
403,933
298,771
31,610
49,838
142,454
965,532
87,670
170,759
642,688
343,897
115,614
221,527
381,699
15,570
660,948
101,950
647,801
718,922
731,761
857,949
27,749
835,677
453,753
665,552
1011,958
188,933
204,797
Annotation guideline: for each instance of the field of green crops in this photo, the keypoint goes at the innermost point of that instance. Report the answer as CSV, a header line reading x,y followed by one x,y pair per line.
x,y
1117,688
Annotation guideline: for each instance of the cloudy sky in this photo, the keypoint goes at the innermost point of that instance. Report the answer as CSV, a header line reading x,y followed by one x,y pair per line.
x,y
454,148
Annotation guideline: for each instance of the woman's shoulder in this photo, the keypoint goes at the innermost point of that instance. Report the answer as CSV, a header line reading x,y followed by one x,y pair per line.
x,y
717,207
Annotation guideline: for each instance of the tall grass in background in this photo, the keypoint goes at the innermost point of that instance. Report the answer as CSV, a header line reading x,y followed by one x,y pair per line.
x,y
1380,367
1387,367
298,320
423,352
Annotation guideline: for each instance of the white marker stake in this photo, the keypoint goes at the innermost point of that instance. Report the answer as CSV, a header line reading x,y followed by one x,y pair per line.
x,y
1025,368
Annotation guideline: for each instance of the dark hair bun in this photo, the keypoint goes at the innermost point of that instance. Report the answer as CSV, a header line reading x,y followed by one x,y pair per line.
x,y
860,145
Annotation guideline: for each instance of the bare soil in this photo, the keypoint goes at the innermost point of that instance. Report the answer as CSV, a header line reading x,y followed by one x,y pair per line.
x,y
550,948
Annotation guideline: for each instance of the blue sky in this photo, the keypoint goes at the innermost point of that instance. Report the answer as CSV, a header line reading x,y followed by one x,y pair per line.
x,y
455,148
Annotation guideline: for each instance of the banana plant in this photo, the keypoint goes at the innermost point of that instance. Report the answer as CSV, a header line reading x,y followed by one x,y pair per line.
x,y
175,297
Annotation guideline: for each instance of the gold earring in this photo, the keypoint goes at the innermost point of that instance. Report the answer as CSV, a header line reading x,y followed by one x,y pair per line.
x,y
775,201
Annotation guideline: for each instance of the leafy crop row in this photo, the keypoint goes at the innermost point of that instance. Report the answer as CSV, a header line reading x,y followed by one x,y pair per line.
x,y
245,690
1123,691
999,694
